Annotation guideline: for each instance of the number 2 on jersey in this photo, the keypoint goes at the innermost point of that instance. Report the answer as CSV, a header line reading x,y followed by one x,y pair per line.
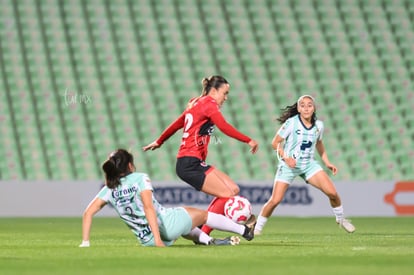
x,y
188,121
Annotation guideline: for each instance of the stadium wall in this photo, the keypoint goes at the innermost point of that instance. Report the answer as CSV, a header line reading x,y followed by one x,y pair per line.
x,y
69,198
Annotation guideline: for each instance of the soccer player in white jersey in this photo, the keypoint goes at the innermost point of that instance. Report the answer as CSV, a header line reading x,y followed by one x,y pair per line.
x,y
300,134
131,194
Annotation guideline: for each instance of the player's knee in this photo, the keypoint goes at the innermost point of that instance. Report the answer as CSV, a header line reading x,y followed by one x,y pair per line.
x,y
236,190
203,217
333,196
231,192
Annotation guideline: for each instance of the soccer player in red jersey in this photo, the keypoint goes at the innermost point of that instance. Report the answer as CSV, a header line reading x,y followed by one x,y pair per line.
x,y
198,121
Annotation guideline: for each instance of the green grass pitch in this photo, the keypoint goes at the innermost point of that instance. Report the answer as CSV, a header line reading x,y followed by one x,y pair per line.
x,y
287,246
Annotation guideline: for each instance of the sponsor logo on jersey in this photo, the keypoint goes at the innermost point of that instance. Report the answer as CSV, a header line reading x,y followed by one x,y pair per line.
x,y
123,192
305,145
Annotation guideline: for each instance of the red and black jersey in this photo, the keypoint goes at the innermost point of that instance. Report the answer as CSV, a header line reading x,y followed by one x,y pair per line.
x,y
198,125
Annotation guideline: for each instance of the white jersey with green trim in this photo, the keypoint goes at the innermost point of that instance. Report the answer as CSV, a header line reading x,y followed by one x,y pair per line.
x,y
300,141
127,201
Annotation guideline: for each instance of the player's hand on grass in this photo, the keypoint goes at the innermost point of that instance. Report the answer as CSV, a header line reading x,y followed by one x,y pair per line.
x,y
84,244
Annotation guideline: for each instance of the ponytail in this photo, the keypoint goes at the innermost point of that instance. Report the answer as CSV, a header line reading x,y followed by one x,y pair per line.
x,y
214,81
205,83
116,167
288,112
112,174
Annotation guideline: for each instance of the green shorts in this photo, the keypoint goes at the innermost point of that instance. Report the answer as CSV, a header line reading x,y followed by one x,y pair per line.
x,y
287,175
174,223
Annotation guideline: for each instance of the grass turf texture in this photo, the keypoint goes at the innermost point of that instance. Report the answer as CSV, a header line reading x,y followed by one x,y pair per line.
x,y
287,246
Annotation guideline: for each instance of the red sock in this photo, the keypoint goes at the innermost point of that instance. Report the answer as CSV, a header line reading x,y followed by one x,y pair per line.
x,y
216,206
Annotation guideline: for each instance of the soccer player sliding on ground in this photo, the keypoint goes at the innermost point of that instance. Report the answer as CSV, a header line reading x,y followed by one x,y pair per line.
x,y
131,195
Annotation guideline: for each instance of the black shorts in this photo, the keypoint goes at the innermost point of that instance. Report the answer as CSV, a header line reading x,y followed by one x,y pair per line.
x,y
193,171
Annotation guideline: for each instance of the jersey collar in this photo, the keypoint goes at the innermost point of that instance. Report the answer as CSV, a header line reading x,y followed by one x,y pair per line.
x,y
313,124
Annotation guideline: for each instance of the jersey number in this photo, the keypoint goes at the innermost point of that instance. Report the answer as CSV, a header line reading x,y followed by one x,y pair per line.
x,y
130,213
188,121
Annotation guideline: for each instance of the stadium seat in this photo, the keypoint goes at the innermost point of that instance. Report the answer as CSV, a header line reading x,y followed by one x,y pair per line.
x,y
139,62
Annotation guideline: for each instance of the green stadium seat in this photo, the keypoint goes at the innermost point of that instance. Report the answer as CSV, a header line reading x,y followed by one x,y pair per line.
x,y
9,148
147,58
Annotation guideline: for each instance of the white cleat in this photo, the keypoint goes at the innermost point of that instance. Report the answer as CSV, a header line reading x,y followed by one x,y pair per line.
x,y
346,225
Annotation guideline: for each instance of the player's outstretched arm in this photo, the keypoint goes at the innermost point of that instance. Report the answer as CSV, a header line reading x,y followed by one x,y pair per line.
x,y
90,211
166,134
152,146
231,131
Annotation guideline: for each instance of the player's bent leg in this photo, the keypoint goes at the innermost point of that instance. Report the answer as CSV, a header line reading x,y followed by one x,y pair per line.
x,y
219,185
198,236
223,223
322,182
198,216
222,187
279,190
216,206
174,223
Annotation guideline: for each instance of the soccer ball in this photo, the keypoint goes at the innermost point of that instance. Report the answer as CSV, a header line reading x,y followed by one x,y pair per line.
x,y
238,209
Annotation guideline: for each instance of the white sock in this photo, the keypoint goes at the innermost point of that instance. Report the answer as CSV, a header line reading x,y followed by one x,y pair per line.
x,y
223,223
261,222
197,235
339,212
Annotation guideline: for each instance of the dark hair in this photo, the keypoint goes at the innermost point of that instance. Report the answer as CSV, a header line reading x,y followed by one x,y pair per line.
x,y
214,81
116,167
291,111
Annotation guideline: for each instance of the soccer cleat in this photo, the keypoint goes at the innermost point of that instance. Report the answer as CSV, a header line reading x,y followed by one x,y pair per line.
x,y
257,232
346,225
249,228
233,240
